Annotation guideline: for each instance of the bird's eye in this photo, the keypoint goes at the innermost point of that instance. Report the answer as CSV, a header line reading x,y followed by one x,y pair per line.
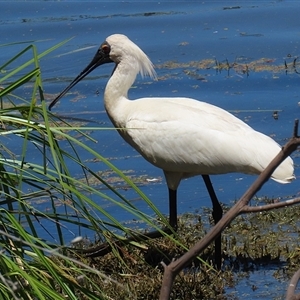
x,y
105,48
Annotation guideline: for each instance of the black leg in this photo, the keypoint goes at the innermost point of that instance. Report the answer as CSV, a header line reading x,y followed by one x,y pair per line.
x,y
217,215
173,208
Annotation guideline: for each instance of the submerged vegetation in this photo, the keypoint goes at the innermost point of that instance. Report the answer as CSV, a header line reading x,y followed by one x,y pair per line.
x,y
36,260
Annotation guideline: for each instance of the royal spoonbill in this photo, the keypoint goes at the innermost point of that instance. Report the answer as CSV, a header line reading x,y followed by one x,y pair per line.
x,y
182,136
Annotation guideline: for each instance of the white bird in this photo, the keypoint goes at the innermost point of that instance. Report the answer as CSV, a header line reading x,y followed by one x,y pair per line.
x,y
182,136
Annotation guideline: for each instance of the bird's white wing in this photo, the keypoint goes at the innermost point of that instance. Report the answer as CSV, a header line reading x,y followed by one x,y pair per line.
x,y
186,135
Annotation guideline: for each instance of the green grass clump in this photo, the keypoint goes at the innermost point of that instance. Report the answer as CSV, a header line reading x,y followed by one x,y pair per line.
x,y
28,235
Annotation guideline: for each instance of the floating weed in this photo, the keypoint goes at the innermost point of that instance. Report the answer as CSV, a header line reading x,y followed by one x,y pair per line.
x,y
240,65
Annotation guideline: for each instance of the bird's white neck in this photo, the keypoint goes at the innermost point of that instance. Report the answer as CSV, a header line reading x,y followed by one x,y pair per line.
x,y
117,89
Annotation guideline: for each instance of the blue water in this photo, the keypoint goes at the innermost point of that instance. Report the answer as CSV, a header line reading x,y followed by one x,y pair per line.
x,y
178,32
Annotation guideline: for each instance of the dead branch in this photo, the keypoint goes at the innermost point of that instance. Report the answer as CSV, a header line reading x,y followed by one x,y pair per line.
x,y
290,294
117,244
171,270
271,206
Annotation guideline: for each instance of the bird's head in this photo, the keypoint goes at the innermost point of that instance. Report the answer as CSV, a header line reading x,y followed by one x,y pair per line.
x,y
115,48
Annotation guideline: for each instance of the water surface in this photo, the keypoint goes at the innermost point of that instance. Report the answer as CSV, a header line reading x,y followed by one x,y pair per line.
x,y
174,35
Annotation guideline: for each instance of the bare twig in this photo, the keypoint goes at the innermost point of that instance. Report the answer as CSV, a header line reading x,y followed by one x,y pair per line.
x,y
171,271
108,246
271,206
290,294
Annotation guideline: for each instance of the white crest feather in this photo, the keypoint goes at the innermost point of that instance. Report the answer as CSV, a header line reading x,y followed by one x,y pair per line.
x,y
145,66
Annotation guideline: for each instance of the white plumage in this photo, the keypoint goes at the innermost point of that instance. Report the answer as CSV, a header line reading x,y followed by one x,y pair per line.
x,y
182,136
